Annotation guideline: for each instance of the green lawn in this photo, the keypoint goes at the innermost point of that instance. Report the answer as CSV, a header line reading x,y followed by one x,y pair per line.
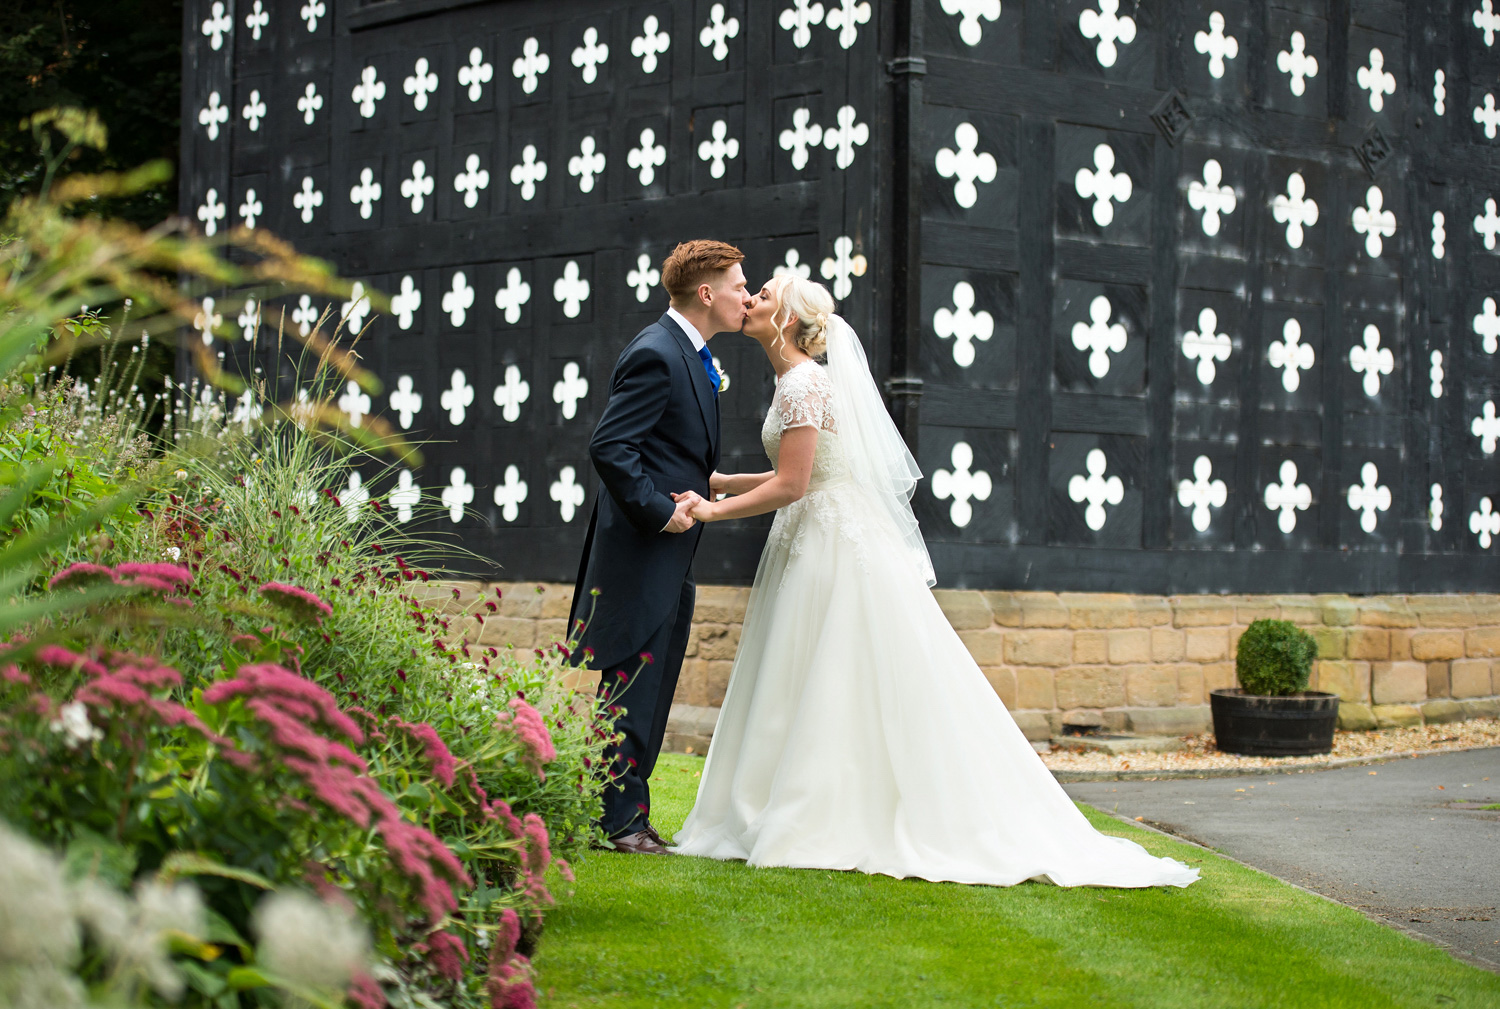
x,y
690,932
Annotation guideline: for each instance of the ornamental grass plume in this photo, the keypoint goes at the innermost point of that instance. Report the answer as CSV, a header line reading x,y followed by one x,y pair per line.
x,y
309,942
299,602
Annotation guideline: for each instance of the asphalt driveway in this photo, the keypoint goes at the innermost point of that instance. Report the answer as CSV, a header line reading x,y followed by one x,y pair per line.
x,y
1403,841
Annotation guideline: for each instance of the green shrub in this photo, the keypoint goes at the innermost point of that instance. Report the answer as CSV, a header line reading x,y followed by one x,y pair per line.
x,y
1274,658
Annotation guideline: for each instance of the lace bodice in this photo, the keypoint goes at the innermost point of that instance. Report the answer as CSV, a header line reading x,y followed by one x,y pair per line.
x,y
804,398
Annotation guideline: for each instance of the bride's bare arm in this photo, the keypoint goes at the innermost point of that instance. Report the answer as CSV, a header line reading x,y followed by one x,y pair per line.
x,y
782,486
738,483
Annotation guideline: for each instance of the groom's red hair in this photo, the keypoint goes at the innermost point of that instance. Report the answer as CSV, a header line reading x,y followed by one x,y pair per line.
x,y
691,263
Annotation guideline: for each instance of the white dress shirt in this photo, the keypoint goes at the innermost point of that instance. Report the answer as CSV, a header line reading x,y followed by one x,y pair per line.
x,y
698,344
687,327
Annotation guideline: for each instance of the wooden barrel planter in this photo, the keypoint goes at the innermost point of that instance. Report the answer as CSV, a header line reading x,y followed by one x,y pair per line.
x,y
1261,726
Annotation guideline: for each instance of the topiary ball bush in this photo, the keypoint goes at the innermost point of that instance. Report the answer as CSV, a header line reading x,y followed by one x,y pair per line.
x,y
1274,658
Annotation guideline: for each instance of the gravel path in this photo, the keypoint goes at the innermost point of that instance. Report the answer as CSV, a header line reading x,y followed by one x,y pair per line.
x,y
1201,758
1403,841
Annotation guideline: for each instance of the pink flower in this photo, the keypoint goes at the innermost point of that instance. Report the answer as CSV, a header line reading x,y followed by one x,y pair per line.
x,y
509,983
365,993
538,855
164,578
300,602
447,954
443,764
527,723
82,575
61,658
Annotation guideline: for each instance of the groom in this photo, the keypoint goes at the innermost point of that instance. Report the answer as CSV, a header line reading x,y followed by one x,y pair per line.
x,y
658,436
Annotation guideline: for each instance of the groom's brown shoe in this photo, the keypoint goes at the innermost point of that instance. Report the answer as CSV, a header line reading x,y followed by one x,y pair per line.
x,y
642,842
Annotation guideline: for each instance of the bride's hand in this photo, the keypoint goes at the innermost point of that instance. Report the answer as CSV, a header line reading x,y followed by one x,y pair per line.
x,y
718,483
702,510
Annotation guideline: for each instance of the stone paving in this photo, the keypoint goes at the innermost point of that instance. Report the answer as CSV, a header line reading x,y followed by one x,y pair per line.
x,y
1405,841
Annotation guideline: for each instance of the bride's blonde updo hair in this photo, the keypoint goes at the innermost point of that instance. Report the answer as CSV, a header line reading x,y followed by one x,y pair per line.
x,y
810,304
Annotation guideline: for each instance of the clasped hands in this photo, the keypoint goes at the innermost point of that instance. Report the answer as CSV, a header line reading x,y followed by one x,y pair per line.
x,y
693,507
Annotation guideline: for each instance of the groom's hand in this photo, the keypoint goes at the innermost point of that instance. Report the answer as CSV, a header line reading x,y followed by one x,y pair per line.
x,y
681,521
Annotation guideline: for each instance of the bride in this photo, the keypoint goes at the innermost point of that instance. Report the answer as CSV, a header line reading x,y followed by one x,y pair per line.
x,y
857,732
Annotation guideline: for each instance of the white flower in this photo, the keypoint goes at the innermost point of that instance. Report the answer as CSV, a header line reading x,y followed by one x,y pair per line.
x,y
73,719
36,919
174,553
181,474
309,942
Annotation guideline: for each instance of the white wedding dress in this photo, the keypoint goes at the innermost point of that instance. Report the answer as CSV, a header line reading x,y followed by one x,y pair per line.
x,y
857,732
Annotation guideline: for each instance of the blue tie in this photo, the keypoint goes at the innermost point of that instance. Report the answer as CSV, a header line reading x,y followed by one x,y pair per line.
x,y
708,366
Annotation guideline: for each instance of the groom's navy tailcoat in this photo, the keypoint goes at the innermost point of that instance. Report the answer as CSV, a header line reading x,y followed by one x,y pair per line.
x,y
659,435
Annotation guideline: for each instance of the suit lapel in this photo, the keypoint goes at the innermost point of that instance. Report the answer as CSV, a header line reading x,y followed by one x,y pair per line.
x,y
702,390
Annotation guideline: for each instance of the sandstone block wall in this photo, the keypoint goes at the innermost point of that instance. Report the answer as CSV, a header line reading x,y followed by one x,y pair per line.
x,y
1122,662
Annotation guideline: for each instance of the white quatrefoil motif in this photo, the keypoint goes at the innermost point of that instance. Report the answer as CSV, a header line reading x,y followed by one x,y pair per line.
x,y
846,136
1297,64
309,103
647,158
1369,496
420,84
1487,117
512,296
1485,18
365,193
1485,523
962,324
529,172
1439,97
457,398
1099,337
256,20
1295,209
406,401
458,299
1288,497
356,309
307,199
718,149
800,137
590,56
963,484
1103,185
570,290
845,17
716,34
1290,355
969,13
418,187
367,92
254,110
1108,26
213,115
251,209
217,25
1375,79
354,496
476,74
1206,345
1372,359
792,266
1487,326
1202,493
799,19
211,212
354,404
643,278
567,492
1374,222
1486,426
650,44
586,165
1210,197
311,12
843,265
1096,489
511,494
966,165
405,302
571,388
1435,507
406,496
471,180
1435,374
530,65
1439,233
510,394
458,495
1216,45
1487,224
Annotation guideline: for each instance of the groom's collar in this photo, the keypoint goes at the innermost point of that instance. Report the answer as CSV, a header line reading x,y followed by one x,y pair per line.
x,y
688,329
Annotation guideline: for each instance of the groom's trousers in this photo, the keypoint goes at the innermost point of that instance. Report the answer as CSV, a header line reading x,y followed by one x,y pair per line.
x,y
644,690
